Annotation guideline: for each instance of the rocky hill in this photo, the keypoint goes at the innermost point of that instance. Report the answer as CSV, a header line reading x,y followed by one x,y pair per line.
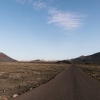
x,y
90,59
5,58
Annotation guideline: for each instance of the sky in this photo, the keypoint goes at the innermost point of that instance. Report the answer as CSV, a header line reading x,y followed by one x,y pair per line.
x,y
49,29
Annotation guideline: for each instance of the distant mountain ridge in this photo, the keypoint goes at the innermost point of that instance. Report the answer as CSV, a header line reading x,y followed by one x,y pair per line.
x,y
5,58
90,59
93,59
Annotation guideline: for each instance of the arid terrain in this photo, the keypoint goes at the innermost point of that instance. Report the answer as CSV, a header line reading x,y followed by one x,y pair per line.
x,y
92,70
71,84
17,78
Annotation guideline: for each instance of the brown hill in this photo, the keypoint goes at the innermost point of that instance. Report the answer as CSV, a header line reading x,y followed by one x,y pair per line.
x,y
5,58
91,59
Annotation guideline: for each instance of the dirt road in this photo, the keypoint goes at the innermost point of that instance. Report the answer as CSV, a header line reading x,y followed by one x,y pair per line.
x,y
71,84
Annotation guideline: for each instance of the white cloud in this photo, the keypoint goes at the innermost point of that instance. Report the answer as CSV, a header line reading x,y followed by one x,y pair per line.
x,y
66,20
39,5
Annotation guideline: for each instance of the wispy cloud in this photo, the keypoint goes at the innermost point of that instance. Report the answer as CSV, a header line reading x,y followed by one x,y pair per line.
x,y
66,20
39,4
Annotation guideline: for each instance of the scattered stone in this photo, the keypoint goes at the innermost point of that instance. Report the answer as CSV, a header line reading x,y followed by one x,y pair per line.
x,y
1,73
15,95
3,98
31,88
4,90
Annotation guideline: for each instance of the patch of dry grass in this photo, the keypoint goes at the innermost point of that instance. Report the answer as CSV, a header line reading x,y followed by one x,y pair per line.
x,y
17,78
92,70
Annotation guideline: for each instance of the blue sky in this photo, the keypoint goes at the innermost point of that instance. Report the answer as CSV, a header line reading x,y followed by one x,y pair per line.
x,y
49,29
